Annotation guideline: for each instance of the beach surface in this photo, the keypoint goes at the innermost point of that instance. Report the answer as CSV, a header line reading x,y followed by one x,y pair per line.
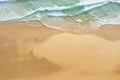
x,y
31,51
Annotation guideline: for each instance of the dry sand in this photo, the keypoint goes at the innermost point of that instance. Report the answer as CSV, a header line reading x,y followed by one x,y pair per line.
x,y
34,52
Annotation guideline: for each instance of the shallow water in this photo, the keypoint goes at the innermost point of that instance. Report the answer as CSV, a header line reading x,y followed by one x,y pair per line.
x,y
72,15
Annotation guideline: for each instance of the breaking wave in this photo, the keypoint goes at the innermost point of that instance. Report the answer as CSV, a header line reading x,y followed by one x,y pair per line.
x,y
72,15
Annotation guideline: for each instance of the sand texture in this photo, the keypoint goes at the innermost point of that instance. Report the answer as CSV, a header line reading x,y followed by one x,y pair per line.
x,y
34,52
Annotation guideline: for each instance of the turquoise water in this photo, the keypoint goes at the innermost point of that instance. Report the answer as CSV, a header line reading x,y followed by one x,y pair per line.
x,y
76,15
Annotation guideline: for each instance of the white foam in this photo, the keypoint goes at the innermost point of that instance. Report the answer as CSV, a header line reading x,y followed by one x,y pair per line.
x,y
105,21
94,6
57,14
4,0
89,2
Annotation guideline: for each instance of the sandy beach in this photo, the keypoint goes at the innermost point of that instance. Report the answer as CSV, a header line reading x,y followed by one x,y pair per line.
x,y
31,51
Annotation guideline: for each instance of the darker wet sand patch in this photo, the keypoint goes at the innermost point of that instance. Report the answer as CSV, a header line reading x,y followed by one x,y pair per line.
x,y
34,29
17,39
27,68
25,31
108,32
117,70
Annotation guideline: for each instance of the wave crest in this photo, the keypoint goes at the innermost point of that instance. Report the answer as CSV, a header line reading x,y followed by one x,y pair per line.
x,y
81,16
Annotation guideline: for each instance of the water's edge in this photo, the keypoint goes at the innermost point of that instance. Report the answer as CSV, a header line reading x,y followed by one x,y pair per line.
x,y
68,16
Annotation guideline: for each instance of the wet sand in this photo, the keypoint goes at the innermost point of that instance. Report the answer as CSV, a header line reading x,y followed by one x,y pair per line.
x,y
34,52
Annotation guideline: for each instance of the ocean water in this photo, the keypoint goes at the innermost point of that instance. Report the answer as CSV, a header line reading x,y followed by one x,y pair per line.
x,y
67,15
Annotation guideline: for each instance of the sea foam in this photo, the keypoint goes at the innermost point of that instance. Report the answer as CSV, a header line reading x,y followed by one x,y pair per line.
x,y
75,15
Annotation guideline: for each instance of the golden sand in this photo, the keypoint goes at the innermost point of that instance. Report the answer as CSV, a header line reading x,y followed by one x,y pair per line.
x,y
34,52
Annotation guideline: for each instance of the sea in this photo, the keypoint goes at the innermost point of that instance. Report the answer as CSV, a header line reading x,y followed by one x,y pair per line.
x,y
67,15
